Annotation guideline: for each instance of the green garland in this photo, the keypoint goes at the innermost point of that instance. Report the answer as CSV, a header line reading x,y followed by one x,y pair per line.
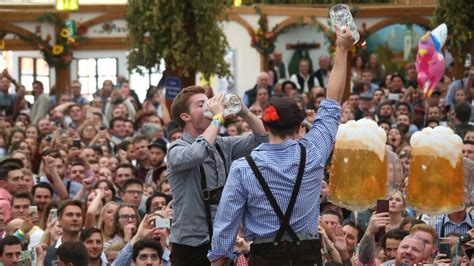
x,y
60,54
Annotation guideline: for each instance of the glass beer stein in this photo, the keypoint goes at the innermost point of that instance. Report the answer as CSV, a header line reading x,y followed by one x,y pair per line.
x,y
436,181
341,16
232,105
360,166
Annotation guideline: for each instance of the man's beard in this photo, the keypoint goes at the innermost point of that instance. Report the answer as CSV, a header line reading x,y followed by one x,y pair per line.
x,y
403,128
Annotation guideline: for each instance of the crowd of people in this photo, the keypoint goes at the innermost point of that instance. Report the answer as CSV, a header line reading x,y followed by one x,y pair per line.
x,y
111,180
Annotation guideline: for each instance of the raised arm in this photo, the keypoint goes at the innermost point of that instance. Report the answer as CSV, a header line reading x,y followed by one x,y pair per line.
x,y
367,243
337,78
255,124
53,177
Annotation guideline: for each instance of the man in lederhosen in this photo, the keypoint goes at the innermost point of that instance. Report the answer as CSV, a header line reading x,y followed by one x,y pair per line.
x,y
275,191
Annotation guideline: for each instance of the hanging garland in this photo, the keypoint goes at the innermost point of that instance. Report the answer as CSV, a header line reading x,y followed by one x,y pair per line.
x,y
59,54
263,39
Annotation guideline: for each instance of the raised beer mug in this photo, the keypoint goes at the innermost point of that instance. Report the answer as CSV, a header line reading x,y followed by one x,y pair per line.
x,y
436,181
341,16
232,105
362,171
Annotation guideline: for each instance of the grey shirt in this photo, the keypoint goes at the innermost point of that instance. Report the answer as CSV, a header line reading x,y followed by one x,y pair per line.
x,y
184,158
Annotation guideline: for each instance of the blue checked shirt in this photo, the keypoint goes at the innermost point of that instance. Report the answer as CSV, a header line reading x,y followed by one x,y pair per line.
x,y
243,199
450,227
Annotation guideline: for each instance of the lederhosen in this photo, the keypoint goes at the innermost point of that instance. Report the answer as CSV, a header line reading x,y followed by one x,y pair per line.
x,y
288,252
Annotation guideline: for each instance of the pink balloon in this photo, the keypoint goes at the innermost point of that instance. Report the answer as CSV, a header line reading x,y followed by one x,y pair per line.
x,y
429,64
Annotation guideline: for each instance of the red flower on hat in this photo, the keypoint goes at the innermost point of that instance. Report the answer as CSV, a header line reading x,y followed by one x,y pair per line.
x,y
270,114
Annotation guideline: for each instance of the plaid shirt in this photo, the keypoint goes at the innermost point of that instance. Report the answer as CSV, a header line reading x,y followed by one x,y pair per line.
x,y
444,225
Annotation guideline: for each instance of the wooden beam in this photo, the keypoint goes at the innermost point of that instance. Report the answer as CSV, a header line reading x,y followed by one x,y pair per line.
x,y
82,8
112,43
379,10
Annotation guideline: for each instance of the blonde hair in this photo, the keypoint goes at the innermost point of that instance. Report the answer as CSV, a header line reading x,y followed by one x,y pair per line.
x,y
101,224
425,228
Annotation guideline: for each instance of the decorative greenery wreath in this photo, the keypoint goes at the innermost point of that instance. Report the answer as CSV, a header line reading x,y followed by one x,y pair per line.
x,y
59,54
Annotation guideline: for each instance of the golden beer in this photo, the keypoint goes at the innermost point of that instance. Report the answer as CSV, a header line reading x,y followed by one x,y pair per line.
x,y
357,178
434,186
436,179
358,175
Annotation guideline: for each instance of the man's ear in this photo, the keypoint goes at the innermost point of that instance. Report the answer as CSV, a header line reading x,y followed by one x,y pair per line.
x,y
185,117
3,183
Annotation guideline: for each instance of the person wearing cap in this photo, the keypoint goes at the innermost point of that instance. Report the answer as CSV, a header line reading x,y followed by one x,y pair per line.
x,y
198,164
275,191
366,104
419,116
157,152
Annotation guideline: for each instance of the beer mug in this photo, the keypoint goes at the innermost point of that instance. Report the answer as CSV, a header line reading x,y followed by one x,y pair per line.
x,y
341,16
436,181
232,105
360,166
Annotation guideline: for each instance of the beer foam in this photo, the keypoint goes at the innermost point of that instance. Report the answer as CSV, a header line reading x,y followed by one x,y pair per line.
x,y
362,134
440,141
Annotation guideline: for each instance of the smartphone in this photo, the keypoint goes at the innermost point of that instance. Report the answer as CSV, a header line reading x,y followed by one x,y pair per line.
x,y
53,214
76,143
33,211
58,122
24,259
445,248
382,206
162,223
394,96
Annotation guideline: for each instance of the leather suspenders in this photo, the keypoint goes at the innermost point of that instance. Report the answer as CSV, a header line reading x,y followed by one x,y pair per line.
x,y
204,186
284,218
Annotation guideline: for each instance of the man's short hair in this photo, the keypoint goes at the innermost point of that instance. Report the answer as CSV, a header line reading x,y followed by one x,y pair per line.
x,y
38,83
332,212
463,111
8,240
77,162
87,232
150,199
146,243
409,220
7,167
180,103
139,138
42,185
73,252
129,182
23,195
425,228
66,203
360,231
126,165
397,234
114,120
